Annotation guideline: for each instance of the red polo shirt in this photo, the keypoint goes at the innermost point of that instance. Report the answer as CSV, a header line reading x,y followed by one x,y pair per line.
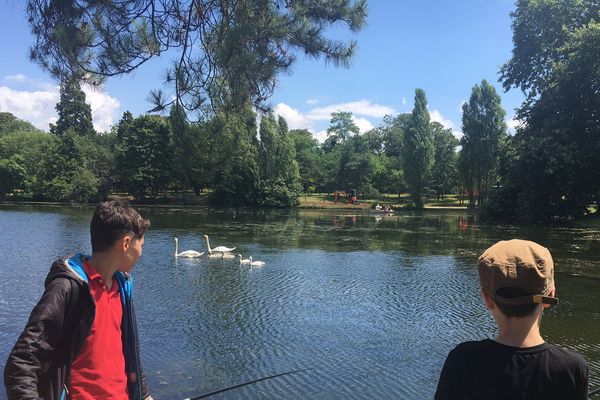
x,y
98,371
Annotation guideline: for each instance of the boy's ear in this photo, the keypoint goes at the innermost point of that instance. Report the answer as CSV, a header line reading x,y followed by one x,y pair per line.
x,y
552,293
125,242
489,303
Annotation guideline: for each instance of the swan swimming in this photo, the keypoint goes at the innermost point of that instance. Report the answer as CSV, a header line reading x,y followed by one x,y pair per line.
x,y
186,253
243,260
256,263
219,249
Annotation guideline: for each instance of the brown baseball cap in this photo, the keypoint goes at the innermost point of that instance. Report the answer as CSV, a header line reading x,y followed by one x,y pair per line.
x,y
519,264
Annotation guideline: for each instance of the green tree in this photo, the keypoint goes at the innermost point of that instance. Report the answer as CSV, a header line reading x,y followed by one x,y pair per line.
x,y
12,174
443,173
393,138
185,148
418,149
356,165
308,157
144,156
73,112
233,49
554,171
31,147
10,123
280,177
484,132
67,173
341,128
233,150
543,31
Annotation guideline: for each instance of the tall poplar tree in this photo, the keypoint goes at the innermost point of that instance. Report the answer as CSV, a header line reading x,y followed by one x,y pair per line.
x,y
418,149
484,133
280,176
443,173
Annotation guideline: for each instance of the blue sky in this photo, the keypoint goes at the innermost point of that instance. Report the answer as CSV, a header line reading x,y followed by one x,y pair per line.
x,y
441,46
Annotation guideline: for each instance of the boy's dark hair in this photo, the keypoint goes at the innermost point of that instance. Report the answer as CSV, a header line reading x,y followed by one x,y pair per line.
x,y
111,220
519,311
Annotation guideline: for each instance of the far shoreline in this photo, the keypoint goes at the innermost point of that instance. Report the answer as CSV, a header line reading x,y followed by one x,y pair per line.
x,y
362,206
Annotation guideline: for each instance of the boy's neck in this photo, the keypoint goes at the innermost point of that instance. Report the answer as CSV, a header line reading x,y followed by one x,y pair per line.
x,y
519,332
105,264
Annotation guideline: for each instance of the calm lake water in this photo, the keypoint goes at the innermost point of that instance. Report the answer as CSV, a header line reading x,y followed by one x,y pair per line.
x,y
369,306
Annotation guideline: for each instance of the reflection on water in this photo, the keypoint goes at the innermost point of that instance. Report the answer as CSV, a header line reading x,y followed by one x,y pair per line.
x,y
361,300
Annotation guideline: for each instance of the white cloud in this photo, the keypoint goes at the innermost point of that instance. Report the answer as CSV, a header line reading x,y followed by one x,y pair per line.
x,y
38,106
363,124
20,78
294,118
320,136
513,124
312,101
360,107
316,117
404,102
104,107
437,116
25,81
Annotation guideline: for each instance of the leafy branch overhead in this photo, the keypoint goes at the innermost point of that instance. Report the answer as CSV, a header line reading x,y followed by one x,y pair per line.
x,y
227,52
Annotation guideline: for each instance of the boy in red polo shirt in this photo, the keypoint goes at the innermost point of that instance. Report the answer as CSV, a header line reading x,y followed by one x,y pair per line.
x,y
81,341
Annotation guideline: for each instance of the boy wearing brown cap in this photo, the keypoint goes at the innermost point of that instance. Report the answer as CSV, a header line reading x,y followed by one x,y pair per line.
x,y
517,283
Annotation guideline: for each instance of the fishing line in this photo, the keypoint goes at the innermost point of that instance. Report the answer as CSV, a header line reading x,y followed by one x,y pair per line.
x,y
203,396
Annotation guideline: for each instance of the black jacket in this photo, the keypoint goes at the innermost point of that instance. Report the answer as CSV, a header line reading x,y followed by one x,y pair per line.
x,y
39,364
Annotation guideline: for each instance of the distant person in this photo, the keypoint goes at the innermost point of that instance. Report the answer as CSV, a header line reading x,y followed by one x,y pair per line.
x,y
81,340
377,207
517,283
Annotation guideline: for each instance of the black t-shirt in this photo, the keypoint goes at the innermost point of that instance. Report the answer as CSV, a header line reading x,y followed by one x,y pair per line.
x,y
490,370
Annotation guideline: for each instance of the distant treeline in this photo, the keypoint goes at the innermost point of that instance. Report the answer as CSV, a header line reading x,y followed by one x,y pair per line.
x,y
238,161
548,171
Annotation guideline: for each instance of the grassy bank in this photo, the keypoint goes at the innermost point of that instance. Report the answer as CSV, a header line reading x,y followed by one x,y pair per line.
x,y
326,200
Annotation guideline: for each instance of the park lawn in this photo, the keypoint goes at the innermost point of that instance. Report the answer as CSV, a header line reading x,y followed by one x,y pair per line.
x,y
326,200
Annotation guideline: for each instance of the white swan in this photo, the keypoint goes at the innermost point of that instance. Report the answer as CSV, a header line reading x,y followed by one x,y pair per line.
x,y
243,260
256,263
220,249
187,253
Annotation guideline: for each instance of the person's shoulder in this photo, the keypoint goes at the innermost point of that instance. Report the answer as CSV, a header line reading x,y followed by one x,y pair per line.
x,y
566,356
469,349
473,345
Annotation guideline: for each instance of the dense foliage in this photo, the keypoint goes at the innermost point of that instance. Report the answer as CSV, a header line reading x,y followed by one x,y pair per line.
x,y
552,170
228,52
230,157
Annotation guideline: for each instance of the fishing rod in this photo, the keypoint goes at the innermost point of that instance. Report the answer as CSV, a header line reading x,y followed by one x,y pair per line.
x,y
203,396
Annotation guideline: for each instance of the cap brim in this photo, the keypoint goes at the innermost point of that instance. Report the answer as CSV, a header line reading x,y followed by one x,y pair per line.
x,y
533,299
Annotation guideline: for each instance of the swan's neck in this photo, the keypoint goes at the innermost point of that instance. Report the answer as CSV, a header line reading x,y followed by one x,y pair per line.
x,y
208,245
176,247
